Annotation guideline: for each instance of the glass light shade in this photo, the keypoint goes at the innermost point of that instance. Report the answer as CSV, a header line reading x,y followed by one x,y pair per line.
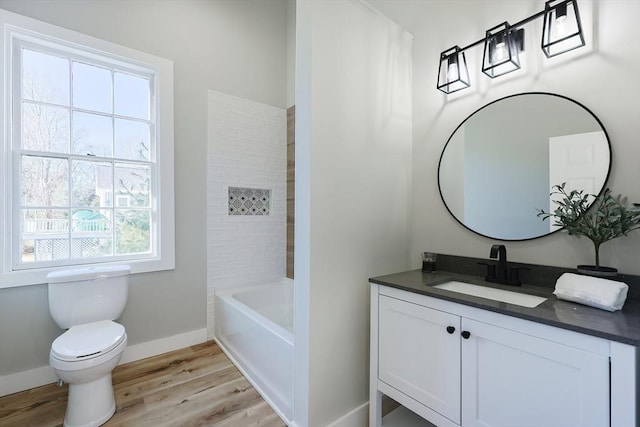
x,y
500,51
453,74
562,29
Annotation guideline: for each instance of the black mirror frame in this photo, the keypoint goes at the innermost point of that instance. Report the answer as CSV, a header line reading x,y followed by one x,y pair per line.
x,y
604,185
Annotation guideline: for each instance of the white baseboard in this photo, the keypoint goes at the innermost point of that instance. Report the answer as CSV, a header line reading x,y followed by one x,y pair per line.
x,y
357,417
43,375
25,380
163,345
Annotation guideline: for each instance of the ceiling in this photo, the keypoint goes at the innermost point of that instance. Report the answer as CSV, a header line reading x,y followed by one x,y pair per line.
x,y
437,16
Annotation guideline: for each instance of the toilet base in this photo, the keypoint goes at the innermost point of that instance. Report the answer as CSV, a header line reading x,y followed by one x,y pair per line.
x,y
90,404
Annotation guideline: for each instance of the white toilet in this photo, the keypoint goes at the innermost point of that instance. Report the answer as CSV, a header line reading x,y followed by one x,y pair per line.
x,y
86,301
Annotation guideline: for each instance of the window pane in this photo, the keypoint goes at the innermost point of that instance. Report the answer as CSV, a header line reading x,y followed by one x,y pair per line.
x,y
45,77
131,96
45,128
131,140
51,249
45,181
44,234
91,183
132,181
90,247
92,134
91,88
28,251
123,201
132,232
91,233
38,223
93,223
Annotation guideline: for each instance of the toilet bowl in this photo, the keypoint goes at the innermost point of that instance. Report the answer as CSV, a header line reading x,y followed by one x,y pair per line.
x,y
86,301
84,357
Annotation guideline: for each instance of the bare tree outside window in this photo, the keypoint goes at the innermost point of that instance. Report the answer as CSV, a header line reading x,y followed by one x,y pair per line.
x,y
76,163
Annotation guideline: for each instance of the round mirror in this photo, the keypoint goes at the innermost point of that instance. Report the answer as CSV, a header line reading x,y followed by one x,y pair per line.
x,y
500,164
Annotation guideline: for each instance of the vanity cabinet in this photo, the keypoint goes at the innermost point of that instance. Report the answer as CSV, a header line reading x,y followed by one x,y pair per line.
x,y
413,339
456,365
512,378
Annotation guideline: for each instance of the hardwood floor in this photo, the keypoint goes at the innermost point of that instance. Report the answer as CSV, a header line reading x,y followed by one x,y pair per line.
x,y
194,386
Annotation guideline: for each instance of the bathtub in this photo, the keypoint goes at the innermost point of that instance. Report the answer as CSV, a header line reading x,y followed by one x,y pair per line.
x,y
254,327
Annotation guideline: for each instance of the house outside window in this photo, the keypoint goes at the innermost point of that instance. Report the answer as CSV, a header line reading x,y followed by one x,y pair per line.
x,y
86,123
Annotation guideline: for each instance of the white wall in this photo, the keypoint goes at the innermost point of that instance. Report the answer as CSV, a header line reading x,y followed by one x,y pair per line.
x,y
235,47
353,142
291,52
452,184
602,75
247,148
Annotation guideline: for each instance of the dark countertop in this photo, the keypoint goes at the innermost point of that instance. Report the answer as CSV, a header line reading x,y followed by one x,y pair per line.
x,y
621,326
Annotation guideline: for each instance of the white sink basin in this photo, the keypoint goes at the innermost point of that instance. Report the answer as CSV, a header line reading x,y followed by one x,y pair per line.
x,y
524,300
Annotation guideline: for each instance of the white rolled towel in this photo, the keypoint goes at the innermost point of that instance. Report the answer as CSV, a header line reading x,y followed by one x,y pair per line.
x,y
605,294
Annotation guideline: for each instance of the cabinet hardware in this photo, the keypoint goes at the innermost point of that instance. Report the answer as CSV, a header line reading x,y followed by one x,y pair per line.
x,y
451,329
465,334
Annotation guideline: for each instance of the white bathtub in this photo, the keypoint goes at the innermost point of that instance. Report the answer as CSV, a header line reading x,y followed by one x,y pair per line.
x,y
254,326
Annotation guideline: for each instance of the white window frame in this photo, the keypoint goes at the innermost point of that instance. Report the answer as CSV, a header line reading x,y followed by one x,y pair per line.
x,y
15,29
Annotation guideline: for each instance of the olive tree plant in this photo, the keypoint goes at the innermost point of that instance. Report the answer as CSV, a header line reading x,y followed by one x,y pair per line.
x,y
598,218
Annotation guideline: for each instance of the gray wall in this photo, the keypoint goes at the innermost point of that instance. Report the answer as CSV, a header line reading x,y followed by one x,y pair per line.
x,y
235,47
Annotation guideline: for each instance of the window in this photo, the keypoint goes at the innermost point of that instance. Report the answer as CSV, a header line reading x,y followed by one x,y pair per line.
x,y
87,123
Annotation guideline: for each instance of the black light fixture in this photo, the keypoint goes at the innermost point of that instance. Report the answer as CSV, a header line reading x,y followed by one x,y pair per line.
x,y
453,73
562,29
501,47
561,32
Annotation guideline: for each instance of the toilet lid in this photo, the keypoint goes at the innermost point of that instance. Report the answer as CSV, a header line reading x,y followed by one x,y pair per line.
x,y
89,340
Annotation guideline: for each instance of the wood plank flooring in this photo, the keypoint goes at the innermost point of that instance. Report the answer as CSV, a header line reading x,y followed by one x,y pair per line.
x,y
194,386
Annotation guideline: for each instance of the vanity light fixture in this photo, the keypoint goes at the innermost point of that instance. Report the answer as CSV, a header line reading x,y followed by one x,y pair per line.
x,y
561,32
562,29
453,73
501,47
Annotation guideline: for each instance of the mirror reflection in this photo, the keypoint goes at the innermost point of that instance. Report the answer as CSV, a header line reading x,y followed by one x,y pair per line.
x,y
499,165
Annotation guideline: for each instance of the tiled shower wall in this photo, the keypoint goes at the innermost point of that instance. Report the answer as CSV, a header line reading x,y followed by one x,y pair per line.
x,y
246,149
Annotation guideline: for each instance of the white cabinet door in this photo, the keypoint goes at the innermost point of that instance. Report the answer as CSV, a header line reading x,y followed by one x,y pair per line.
x,y
512,379
419,356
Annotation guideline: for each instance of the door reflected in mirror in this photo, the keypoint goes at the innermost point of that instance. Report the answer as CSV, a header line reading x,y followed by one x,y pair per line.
x,y
501,163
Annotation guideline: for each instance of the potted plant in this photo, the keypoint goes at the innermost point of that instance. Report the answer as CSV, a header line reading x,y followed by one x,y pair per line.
x,y
598,218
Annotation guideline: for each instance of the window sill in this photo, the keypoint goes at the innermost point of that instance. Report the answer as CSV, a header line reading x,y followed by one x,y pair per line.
x,y
39,276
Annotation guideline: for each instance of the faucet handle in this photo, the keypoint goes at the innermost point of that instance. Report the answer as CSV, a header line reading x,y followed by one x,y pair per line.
x,y
491,271
514,275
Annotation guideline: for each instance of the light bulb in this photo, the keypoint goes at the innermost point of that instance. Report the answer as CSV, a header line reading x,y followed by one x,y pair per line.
x,y
561,26
500,53
452,72
561,20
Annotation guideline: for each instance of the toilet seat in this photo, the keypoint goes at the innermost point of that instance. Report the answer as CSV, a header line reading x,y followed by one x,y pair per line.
x,y
88,341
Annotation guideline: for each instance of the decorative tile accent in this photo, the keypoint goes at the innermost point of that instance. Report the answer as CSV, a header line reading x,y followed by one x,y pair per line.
x,y
249,201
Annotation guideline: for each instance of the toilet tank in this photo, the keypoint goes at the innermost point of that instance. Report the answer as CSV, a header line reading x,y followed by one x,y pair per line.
x,y
88,294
